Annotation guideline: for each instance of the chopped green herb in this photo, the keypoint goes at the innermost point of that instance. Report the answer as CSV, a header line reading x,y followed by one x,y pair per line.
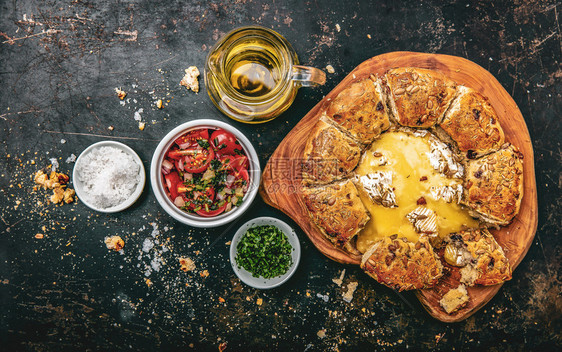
x,y
264,251
216,164
203,143
239,202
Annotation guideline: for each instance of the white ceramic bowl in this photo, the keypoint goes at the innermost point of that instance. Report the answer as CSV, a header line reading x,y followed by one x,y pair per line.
x,y
79,186
260,282
195,220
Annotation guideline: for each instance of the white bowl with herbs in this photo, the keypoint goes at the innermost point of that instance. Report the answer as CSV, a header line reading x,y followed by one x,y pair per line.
x,y
265,252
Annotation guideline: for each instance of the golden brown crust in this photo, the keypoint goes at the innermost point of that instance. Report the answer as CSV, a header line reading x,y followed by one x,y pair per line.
x,y
472,123
401,264
329,155
360,110
337,210
418,97
493,186
482,259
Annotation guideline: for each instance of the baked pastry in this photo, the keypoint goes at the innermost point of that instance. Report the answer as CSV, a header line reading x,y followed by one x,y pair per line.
x,y
476,169
454,299
360,110
401,264
338,212
493,186
481,258
329,154
418,97
472,123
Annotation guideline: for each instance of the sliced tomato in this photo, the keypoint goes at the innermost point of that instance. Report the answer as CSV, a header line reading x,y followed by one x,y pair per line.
x,y
210,213
172,182
175,154
191,137
188,202
234,162
210,193
198,161
243,175
224,143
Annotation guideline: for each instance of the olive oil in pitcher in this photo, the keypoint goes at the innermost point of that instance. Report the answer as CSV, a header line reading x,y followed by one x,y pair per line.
x,y
252,74
252,69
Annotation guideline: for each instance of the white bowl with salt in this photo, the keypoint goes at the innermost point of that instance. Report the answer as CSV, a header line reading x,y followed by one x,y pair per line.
x,y
108,177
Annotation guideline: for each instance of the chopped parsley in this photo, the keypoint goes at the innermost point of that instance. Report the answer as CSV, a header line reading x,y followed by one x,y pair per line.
x,y
264,251
216,164
203,143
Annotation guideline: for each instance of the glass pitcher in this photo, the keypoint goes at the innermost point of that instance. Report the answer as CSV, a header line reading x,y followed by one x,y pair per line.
x,y
252,74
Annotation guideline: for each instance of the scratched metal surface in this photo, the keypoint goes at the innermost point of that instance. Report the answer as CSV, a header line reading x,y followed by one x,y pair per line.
x,y
59,64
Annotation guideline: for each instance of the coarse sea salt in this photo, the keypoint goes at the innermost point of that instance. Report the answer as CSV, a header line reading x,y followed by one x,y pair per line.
x,y
109,176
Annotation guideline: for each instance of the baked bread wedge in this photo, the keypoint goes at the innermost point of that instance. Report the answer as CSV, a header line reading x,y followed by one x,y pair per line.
x,y
360,110
418,97
401,264
472,124
454,299
329,154
493,186
338,212
481,259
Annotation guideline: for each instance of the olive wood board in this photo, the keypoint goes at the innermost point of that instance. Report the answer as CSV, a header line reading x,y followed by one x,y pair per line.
x,y
281,179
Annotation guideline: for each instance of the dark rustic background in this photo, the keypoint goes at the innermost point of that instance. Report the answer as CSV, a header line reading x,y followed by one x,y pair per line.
x,y
59,64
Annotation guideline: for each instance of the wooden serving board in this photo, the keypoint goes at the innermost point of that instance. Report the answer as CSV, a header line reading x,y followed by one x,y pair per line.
x,y
281,188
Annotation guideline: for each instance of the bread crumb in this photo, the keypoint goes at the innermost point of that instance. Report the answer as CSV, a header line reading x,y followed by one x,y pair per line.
x,y
121,94
221,300
142,125
321,333
330,69
57,182
114,242
111,128
259,301
159,104
369,36
148,282
39,236
340,280
204,273
351,287
191,79
186,264
338,28
454,299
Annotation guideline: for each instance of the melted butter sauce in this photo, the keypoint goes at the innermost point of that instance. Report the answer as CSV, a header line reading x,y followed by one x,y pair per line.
x,y
406,156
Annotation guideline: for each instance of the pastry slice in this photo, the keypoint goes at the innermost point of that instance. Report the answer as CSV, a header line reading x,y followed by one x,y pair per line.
x,y
454,299
329,154
338,212
493,186
481,259
401,264
360,110
472,123
418,97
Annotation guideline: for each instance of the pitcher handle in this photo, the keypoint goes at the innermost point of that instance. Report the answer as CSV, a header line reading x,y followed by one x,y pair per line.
x,y
308,76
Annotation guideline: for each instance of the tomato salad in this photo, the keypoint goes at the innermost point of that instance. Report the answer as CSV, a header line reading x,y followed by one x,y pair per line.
x,y
206,172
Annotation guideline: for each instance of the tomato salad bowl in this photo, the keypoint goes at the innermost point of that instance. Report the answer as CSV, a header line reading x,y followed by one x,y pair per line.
x,y
205,173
